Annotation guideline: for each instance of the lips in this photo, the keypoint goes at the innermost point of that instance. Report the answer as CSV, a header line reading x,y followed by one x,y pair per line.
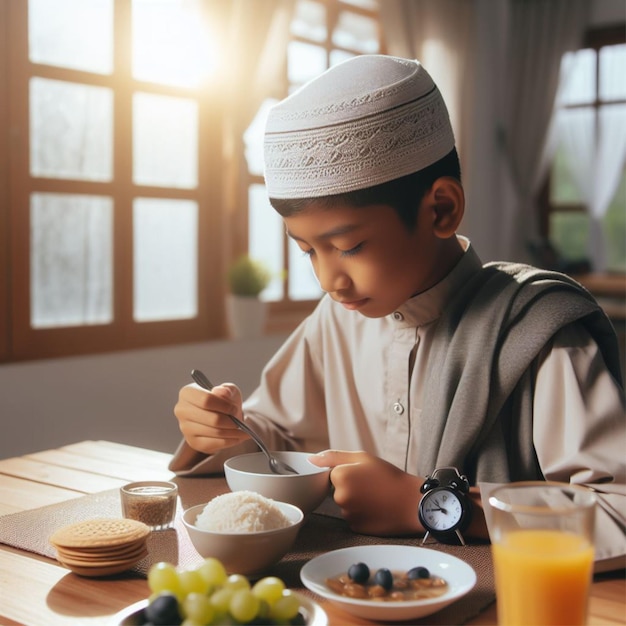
x,y
353,305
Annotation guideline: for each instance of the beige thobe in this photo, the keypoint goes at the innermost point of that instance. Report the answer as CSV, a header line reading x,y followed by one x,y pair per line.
x,y
348,382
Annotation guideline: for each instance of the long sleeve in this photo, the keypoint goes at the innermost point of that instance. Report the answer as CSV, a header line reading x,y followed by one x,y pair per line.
x,y
579,430
287,408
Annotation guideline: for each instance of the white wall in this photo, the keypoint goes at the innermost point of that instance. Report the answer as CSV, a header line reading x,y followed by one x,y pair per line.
x,y
126,396
607,12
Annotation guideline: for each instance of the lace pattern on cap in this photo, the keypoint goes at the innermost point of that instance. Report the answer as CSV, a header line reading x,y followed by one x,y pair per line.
x,y
354,155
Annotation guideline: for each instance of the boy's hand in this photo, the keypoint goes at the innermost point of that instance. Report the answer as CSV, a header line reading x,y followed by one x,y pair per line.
x,y
203,417
375,497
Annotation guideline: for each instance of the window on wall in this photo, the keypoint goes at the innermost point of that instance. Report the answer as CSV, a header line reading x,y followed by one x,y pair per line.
x,y
323,33
110,117
584,200
112,232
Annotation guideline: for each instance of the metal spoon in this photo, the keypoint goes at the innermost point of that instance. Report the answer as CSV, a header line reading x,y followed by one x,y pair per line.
x,y
276,465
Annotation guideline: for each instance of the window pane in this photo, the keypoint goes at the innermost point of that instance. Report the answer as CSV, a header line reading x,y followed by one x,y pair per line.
x,y
304,62
579,72
338,56
172,44
356,32
266,232
569,233
165,141
72,33
309,20
563,188
165,259
253,138
302,281
615,229
613,72
71,260
71,130
371,5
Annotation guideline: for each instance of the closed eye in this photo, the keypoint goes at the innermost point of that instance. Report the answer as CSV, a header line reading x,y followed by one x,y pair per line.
x,y
352,251
344,253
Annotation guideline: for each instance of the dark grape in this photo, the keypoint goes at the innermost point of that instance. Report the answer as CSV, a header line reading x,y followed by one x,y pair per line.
x,y
418,572
384,578
163,610
359,573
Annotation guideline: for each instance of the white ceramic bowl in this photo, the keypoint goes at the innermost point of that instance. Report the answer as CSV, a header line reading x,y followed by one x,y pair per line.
x,y
457,573
247,552
306,490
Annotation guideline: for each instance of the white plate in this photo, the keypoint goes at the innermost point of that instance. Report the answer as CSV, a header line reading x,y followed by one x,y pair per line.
x,y
457,573
313,613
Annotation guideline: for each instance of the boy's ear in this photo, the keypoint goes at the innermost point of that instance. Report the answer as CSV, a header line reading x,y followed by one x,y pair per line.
x,y
447,201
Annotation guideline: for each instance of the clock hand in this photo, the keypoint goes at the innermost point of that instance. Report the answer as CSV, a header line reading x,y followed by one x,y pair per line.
x,y
444,511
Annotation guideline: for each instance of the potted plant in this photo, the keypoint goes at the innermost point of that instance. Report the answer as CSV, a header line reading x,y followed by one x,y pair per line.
x,y
246,312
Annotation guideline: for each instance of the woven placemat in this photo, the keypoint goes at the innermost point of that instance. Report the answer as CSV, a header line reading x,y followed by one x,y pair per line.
x,y
321,532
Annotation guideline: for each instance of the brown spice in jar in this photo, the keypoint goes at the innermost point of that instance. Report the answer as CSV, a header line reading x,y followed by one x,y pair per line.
x,y
151,510
154,504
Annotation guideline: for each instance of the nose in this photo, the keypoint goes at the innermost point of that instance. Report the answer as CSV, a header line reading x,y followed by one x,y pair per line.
x,y
331,276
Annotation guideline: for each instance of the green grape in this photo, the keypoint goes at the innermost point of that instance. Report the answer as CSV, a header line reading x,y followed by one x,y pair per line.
x,y
192,581
286,607
220,600
244,605
163,576
198,608
237,582
264,609
190,622
269,588
213,571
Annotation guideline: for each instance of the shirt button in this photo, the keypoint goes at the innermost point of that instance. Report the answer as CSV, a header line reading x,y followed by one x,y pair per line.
x,y
398,316
398,408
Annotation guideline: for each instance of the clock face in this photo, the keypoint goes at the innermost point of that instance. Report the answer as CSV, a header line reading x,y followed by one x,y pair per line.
x,y
441,510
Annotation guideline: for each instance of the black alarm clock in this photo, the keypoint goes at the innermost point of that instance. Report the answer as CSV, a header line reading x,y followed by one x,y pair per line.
x,y
445,509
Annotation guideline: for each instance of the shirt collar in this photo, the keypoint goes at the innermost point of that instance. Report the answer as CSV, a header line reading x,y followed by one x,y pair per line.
x,y
428,306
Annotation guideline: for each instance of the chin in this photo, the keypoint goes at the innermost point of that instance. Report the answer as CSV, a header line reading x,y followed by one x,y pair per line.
x,y
375,313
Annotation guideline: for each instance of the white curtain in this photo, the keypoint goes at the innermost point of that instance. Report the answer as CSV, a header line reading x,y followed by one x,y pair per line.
x,y
254,37
599,149
540,33
438,33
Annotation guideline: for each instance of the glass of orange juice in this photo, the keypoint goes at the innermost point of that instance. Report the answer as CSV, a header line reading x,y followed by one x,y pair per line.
x,y
542,546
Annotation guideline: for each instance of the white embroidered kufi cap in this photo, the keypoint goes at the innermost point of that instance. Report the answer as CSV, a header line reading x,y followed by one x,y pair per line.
x,y
366,121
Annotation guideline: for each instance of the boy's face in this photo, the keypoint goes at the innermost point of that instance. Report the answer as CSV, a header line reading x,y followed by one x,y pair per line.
x,y
366,258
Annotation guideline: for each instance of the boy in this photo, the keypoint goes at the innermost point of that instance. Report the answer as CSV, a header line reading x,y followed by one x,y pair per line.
x,y
418,357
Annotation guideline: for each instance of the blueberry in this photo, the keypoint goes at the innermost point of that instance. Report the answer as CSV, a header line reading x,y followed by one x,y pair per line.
x,y
384,578
163,610
359,573
418,572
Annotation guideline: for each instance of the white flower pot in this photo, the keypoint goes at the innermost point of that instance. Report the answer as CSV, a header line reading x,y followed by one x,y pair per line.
x,y
246,316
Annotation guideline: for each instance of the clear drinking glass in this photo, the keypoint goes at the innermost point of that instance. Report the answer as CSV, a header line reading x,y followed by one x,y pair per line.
x,y
542,546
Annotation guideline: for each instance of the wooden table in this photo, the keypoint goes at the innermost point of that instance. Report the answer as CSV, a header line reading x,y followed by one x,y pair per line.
x,y
35,590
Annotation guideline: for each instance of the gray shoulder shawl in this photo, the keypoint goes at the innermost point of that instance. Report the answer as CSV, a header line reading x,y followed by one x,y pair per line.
x,y
477,412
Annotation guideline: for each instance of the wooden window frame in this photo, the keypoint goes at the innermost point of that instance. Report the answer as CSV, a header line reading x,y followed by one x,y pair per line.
x,y
18,340
595,38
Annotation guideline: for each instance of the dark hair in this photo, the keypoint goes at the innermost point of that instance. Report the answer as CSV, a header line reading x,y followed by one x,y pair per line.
x,y
403,194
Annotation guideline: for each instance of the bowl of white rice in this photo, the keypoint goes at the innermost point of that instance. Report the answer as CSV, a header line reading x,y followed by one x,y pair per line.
x,y
245,530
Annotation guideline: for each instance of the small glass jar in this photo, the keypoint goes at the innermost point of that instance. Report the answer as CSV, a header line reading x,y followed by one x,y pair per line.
x,y
150,502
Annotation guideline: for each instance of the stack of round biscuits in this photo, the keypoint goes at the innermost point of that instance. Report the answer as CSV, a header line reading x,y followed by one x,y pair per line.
x,y
101,547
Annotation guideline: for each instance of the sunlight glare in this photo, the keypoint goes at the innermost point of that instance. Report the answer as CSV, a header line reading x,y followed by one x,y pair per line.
x,y
172,43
